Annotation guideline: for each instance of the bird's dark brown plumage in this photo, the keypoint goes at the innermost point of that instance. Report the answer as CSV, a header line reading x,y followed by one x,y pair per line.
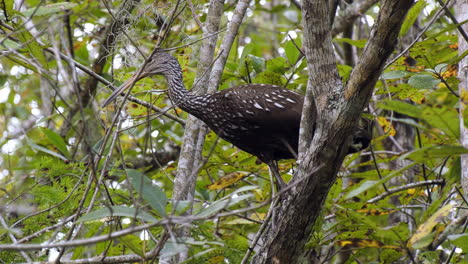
x,y
260,119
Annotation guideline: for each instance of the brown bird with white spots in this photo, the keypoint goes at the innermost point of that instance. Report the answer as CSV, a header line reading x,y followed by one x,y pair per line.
x,y
261,119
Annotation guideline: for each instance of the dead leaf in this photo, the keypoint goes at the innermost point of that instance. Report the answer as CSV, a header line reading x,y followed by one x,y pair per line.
x,y
227,180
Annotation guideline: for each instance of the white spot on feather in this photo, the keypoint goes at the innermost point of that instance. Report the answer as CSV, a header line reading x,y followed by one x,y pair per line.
x,y
279,105
256,105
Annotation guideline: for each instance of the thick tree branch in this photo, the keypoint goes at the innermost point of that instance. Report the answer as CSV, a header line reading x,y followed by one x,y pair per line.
x,y
462,15
350,14
337,113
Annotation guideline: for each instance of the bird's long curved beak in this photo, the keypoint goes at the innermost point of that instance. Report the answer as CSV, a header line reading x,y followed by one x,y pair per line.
x,y
126,85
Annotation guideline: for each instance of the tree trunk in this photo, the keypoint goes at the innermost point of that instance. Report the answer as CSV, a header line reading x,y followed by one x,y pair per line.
x,y
338,109
461,12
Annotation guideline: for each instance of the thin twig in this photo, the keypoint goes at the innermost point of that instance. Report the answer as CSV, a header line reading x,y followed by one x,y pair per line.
x,y
195,15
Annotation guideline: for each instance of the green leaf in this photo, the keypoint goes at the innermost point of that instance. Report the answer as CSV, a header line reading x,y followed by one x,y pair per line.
x,y
425,234
364,186
269,77
344,71
362,219
454,172
171,249
246,51
411,17
3,79
423,81
48,9
117,210
133,243
444,118
460,241
423,154
405,91
153,194
401,107
12,44
429,257
33,46
46,150
18,60
277,65
7,7
393,75
357,43
423,241
181,206
439,68
56,140
244,189
291,51
257,63
224,203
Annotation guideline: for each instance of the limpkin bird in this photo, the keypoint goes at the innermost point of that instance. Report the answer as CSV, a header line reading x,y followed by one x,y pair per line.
x,y
261,119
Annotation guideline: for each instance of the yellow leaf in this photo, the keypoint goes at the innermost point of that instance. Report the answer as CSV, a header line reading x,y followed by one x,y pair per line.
x,y
216,259
386,125
251,220
375,212
227,180
426,228
464,96
452,71
136,109
412,191
364,243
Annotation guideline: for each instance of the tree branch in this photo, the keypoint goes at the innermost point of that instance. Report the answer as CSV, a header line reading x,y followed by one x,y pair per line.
x,y
350,14
405,187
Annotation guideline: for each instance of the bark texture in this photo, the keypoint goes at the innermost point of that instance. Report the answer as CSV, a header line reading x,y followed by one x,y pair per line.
x,y
461,12
338,109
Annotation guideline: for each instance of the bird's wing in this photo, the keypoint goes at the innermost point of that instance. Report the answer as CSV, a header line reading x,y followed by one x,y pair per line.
x,y
265,105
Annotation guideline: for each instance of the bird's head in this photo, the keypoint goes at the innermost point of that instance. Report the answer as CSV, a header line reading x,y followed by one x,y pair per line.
x,y
160,63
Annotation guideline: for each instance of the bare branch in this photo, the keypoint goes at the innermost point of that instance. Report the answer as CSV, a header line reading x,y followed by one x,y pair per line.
x,y
232,31
405,187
